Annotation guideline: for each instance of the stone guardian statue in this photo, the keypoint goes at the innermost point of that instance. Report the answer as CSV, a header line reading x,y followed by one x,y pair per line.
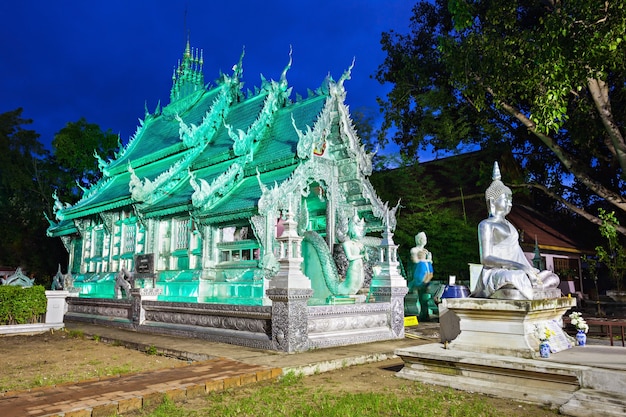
x,y
356,253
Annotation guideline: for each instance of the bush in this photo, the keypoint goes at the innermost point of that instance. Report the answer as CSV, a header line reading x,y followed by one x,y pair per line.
x,y
22,305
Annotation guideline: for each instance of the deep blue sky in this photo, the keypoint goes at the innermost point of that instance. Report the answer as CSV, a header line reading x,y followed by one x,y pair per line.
x,y
105,59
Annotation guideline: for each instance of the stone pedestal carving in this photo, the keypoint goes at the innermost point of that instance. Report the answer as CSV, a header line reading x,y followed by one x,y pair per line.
x,y
138,295
508,327
290,318
395,295
388,285
289,292
290,257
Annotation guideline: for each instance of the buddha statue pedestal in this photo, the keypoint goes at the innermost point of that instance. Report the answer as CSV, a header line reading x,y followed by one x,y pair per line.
x,y
537,293
509,327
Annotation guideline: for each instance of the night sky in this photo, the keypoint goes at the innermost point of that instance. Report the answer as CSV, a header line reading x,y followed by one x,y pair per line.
x,y
106,60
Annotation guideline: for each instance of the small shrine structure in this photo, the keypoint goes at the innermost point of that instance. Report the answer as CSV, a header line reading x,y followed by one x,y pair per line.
x,y
228,209
18,278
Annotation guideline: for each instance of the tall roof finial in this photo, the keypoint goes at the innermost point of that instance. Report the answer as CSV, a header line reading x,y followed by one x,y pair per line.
x,y
347,74
188,77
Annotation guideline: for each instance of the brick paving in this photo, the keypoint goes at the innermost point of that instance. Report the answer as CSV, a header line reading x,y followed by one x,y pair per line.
x,y
107,396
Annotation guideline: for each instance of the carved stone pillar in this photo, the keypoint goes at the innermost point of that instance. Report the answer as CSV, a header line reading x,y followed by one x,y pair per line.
x,y
395,296
138,296
290,318
388,285
289,292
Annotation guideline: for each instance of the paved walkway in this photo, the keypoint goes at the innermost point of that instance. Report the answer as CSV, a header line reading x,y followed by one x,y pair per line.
x,y
217,366
108,396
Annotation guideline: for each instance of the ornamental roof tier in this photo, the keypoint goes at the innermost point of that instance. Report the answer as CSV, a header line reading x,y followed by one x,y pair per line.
x,y
213,152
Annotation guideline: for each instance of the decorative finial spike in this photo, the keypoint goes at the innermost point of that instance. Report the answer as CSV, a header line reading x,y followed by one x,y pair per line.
x,y
348,73
496,172
283,76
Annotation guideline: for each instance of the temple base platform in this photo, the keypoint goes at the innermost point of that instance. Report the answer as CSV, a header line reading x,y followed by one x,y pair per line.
x,y
583,381
496,353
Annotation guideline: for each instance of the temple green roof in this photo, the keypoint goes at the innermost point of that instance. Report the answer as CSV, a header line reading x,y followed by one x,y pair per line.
x,y
158,137
206,151
275,158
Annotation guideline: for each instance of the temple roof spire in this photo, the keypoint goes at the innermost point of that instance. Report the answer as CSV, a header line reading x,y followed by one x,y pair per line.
x,y
187,49
188,77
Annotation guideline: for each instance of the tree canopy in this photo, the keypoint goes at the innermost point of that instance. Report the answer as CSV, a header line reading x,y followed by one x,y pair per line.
x,y
78,148
546,77
29,174
26,179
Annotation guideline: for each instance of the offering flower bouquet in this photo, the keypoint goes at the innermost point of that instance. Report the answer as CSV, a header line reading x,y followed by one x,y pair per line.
x,y
577,321
544,333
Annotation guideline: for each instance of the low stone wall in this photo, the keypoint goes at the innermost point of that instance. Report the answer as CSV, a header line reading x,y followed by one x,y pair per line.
x,y
288,325
103,311
235,324
339,325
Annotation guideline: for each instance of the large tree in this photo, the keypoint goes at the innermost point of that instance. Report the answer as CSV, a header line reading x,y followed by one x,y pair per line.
x,y
548,77
79,147
30,174
26,179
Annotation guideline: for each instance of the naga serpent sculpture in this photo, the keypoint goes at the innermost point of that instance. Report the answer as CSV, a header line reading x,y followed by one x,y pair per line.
x,y
333,276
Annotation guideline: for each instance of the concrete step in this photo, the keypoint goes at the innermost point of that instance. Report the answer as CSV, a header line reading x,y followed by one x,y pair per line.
x,y
591,403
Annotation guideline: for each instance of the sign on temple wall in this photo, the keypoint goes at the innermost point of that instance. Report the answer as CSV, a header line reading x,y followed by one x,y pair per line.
x,y
144,264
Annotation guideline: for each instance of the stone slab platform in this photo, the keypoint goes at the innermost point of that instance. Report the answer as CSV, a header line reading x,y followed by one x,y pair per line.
x,y
584,381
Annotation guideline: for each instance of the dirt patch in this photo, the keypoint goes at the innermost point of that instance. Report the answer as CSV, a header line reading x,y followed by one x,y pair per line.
x,y
56,357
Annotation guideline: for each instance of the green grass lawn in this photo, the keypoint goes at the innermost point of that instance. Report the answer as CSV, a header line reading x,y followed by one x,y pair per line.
x,y
290,396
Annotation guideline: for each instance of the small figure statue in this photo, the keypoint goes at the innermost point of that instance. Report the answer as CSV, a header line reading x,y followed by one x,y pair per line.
x,y
422,261
68,280
122,282
506,272
420,275
356,253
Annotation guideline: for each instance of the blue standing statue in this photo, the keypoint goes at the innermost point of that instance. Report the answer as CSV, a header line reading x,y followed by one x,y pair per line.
x,y
422,261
